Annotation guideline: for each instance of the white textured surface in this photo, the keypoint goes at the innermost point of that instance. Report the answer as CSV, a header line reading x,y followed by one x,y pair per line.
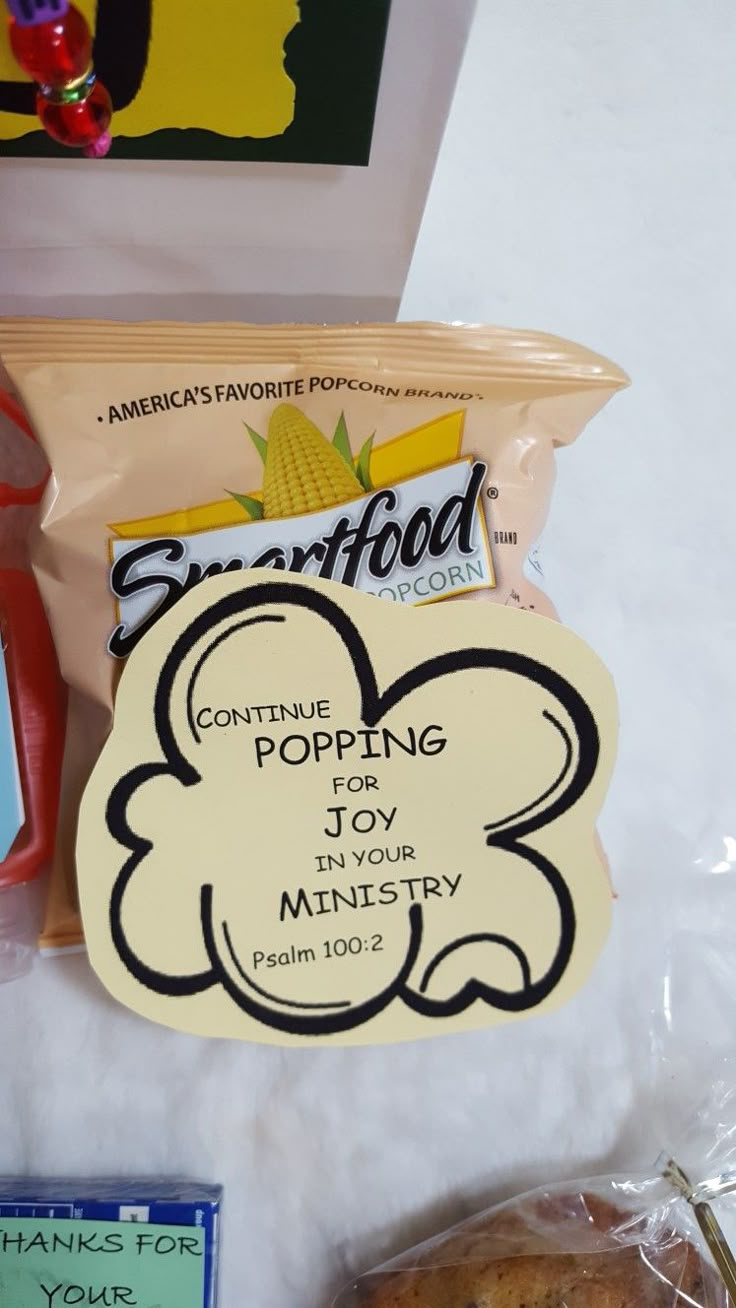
x,y
587,186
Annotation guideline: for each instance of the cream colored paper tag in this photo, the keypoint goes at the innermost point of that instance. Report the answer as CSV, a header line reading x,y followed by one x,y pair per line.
x,y
326,818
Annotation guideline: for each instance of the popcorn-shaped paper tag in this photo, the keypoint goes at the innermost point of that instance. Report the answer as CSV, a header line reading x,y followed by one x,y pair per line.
x,y
323,817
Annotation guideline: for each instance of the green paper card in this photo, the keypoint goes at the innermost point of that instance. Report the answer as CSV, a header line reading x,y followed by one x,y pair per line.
x,y
54,1264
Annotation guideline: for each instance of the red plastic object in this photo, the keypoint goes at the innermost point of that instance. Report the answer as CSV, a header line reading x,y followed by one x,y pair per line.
x,y
18,494
36,695
37,703
56,53
81,123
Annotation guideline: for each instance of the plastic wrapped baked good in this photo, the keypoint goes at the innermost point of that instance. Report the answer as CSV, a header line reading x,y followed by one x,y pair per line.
x,y
610,1243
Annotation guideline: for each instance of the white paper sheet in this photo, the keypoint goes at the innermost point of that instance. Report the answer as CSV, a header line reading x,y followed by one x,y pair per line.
x,y
255,242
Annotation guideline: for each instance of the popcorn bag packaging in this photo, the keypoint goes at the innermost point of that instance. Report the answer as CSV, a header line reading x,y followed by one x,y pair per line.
x,y
414,462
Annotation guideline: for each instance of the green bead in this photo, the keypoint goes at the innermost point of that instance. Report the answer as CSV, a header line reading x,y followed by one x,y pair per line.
x,y
73,92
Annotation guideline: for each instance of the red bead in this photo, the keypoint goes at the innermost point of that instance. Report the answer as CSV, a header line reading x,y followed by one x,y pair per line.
x,y
53,53
77,125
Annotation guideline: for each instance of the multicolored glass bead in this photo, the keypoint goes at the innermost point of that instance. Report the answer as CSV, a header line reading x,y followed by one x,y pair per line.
x,y
52,43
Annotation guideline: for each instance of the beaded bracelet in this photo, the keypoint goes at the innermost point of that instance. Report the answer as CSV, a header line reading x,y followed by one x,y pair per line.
x,y
51,41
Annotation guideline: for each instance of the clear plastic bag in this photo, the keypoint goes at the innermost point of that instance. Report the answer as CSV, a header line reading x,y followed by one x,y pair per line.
x,y
654,1239
19,926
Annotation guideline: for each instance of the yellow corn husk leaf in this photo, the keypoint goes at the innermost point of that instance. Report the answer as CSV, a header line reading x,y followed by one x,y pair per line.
x,y
304,472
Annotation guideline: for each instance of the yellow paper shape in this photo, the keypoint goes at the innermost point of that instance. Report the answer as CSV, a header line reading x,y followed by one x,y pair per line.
x,y
218,67
324,818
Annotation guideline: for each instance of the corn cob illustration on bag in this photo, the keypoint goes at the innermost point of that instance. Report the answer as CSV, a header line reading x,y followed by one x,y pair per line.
x,y
412,461
303,472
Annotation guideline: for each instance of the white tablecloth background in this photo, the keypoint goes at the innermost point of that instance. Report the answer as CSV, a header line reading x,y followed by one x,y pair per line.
x,y
587,186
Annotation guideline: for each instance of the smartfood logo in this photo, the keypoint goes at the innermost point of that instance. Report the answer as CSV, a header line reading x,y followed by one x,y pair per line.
x,y
322,512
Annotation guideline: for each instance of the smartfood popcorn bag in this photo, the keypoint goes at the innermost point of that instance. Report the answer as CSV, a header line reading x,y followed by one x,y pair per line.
x,y
412,461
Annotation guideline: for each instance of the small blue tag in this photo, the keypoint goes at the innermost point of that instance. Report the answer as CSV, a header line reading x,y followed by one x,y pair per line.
x,y
12,811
